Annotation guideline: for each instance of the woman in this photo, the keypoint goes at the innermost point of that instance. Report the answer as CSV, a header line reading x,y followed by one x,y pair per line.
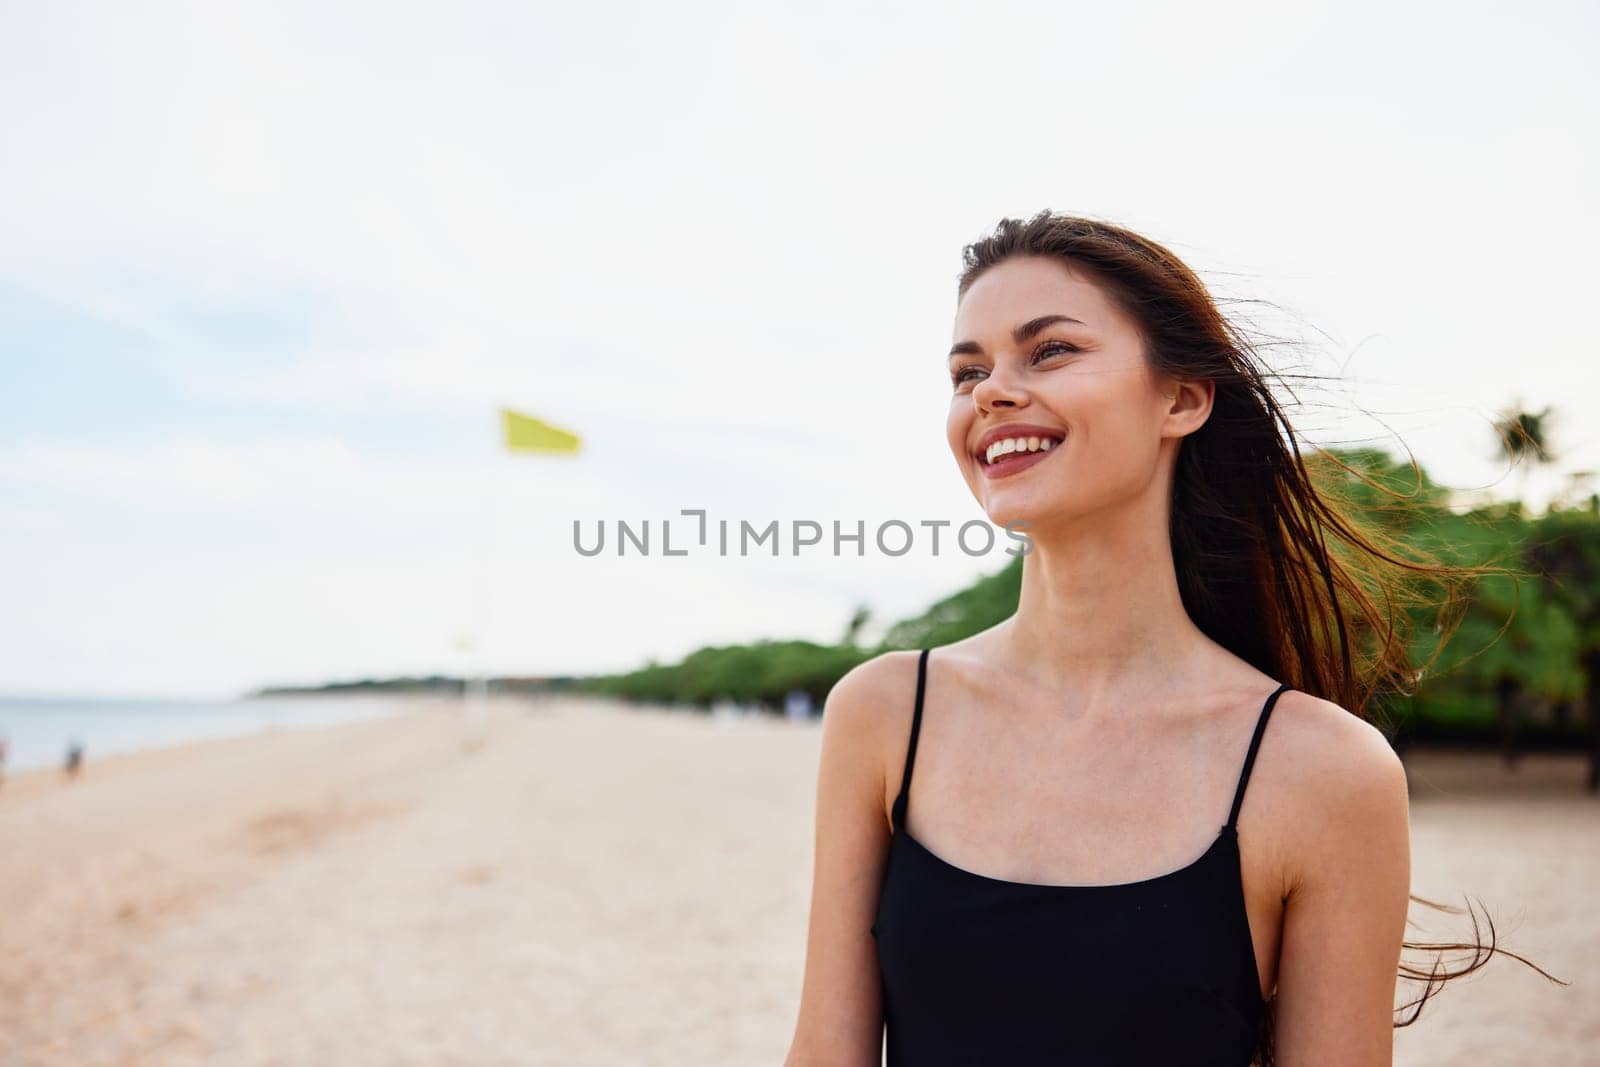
x,y
1076,873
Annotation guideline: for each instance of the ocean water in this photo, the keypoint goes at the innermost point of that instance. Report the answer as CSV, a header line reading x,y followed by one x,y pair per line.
x,y
38,731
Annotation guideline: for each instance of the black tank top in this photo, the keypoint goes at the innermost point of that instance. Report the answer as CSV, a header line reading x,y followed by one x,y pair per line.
x,y
977,970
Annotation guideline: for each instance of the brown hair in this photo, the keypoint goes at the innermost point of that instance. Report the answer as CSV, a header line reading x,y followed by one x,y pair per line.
x,y
1251,519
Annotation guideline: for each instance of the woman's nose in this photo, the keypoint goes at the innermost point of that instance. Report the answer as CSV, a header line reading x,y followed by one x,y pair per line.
x,y
999,389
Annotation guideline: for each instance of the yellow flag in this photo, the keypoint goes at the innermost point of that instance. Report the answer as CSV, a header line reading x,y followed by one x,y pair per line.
x,y
524,433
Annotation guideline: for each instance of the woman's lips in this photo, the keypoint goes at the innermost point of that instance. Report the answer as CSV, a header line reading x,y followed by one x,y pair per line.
x,y
1015,462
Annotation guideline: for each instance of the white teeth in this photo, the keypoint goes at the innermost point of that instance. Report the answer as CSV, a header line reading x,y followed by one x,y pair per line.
x,y
1017,444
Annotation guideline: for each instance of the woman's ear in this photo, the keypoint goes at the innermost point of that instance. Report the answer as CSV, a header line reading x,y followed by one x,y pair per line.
x,y
1189,404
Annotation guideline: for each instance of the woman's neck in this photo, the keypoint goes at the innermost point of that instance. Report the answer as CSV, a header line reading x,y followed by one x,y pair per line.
x,y
1100,615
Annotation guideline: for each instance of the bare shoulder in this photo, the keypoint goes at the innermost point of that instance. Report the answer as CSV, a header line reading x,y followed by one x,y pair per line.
x,y
868,712
1329,747
872,687
1337,780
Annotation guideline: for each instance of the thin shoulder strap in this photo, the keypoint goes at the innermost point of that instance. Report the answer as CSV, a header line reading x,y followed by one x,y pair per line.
x,y
1250,757
901,801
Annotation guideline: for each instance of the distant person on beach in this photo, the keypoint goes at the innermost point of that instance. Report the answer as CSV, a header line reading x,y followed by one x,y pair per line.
x,y
74,758
797,704
1088,880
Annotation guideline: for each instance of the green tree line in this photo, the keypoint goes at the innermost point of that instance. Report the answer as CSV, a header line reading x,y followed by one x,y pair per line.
x,y
1521,664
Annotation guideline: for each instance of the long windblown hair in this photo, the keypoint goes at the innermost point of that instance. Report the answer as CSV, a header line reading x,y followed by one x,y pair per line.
x,y
1272,563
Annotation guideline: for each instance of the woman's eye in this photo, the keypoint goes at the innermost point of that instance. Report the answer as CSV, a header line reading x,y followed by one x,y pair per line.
x,y
1050,348
1044,351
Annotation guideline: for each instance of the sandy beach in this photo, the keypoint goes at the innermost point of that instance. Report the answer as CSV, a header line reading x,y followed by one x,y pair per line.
x,y
591,885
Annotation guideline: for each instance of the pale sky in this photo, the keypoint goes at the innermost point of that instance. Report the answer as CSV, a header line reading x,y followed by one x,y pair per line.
x,y
267,272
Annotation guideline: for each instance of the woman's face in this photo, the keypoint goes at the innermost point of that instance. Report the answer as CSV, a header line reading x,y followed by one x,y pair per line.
x,y
1023,369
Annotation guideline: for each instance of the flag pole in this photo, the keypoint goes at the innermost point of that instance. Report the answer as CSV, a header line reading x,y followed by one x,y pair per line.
x,y
474,687
522,433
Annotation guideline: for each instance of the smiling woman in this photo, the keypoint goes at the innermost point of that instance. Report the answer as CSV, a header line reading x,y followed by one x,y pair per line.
x,y
1082,754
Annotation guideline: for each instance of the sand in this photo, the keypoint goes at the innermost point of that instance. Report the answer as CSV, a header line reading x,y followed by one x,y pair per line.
x,y
591,885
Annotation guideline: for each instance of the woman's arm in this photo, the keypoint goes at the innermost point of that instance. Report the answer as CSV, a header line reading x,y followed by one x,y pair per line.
x,y
841,1013
1348,891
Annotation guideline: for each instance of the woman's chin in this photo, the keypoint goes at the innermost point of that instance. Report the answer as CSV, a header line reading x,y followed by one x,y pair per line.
x,y
1023,511
1012,514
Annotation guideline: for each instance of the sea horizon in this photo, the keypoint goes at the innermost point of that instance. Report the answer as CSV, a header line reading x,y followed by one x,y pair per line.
x,y
39,729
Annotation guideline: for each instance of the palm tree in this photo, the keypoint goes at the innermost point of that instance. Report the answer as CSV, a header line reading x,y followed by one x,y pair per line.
x,y
1524,436
1523,439
852,631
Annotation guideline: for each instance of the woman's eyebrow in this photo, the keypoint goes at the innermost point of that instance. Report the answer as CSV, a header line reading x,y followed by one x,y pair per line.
x,y
1019,335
